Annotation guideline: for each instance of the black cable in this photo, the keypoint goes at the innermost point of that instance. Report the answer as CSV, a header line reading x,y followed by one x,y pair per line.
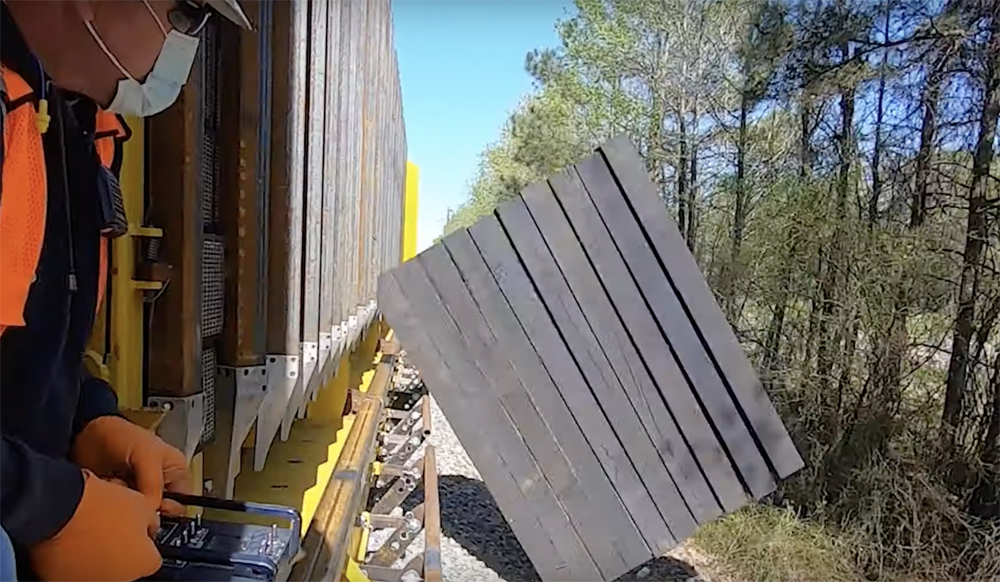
x,y
64,165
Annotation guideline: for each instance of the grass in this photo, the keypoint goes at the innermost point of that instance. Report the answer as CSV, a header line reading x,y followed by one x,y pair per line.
x,y
770,544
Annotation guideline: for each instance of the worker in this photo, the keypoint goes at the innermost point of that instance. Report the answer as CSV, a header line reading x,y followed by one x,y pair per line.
x,y
82,488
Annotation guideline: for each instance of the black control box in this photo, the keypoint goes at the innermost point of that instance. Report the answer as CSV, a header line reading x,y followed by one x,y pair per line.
x,y
216,551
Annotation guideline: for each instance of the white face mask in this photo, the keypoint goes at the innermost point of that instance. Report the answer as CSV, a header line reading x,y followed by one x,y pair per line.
x,y
163,84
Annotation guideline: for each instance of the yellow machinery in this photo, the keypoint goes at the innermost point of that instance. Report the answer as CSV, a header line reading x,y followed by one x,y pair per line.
x,y
241,322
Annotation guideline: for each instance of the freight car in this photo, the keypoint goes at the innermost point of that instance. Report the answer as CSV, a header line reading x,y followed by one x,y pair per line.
x,y
240,322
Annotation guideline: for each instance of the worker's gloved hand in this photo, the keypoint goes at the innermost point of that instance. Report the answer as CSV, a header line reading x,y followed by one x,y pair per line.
x,y
109,538
111,446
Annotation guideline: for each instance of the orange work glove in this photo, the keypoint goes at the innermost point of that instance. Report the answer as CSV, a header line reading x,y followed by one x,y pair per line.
x,y
111,446
109,538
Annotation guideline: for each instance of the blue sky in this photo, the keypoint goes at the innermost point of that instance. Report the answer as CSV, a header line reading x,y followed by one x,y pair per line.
x,y
462,68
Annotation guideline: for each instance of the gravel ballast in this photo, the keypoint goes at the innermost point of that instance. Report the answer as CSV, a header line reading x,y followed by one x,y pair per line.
x,y
477,544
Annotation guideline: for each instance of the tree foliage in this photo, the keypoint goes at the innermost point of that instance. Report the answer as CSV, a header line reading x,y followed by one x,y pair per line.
x,y
833,166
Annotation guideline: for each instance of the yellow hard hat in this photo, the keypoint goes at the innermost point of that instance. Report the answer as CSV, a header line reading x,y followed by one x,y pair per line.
x,y
231,10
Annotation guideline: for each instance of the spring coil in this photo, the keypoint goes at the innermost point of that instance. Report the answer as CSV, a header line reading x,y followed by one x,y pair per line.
x,y
151,249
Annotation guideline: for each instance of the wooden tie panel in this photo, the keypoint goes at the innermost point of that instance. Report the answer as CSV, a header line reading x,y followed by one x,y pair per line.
x,y
574,345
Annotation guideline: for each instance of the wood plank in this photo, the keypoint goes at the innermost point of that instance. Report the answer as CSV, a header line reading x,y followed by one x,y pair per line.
x,y
315,137
606,519
484,407
349,165
330,161
493,360
244,139
696,296
663,303
175,205
646,363
673,386
285,202
503,485
582,391
588,321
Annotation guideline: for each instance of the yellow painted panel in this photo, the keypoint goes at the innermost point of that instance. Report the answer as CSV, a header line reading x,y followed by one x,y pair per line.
x,y
353,573
297,470
329,406
410,211
126,361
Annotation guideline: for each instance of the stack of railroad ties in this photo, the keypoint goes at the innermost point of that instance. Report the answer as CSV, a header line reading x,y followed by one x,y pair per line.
x,y
577,351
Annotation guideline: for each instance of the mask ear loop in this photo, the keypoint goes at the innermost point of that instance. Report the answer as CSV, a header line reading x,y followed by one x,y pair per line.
x,y
152,13
107,51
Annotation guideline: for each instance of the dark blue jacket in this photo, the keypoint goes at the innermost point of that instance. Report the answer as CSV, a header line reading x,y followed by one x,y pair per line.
x,y
45,395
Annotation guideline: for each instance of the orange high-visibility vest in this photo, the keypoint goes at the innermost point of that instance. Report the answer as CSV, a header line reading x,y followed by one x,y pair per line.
x,y
25,195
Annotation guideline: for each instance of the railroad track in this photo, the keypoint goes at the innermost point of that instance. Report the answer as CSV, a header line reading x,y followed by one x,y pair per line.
x,y
378,469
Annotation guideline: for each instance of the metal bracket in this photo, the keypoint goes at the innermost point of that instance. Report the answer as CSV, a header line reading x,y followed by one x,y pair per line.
x,y
365,319
411,572
352,332
387,472
380,521
405,450
370,310
400,539
360,329
362,322
282,376
310,353
409,433
323,367
239,393
403,480
342,341
313,381
329,370
184,422
398,491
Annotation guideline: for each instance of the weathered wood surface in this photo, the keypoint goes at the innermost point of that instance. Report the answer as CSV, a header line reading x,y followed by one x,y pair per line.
x,y
578,352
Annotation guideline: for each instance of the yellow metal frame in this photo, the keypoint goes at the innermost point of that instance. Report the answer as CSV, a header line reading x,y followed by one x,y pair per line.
x,y
353,573
125,363
410,197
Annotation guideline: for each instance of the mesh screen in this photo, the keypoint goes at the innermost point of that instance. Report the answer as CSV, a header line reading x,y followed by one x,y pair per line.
x,y
208,363
212,287
209,108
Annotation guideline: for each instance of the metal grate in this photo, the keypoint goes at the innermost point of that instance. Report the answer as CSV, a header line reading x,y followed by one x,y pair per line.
x,y
208,365
212,287
209,108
